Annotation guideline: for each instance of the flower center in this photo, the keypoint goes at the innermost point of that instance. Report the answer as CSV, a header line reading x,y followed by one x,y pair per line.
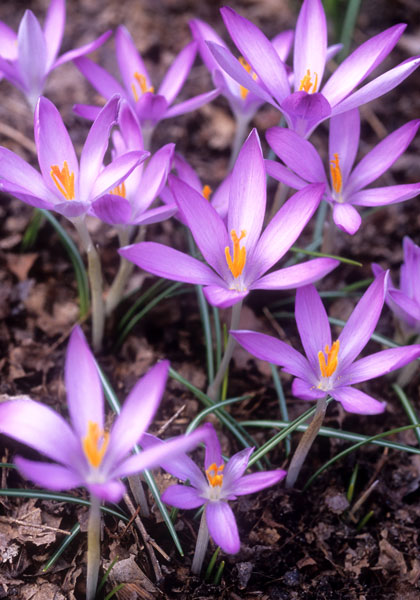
x,y
306,83
236,265
119,190
206,191
336,177
329,366
95,444
64,180
142,83
247,67
214,475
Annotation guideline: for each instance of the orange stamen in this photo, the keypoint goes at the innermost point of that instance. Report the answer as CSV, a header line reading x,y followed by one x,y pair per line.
x,y
206,191
236,265
306,83
214,474
119,190
244,92
95,444
336,177
142,82
329,366
64,180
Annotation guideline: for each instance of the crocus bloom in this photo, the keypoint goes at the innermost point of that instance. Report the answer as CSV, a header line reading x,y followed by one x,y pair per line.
x,y
149,106
27,58
330,367
244,104
346,189
219,198
310,103
405,301
220,484
84,453
63,185
239,259
136,193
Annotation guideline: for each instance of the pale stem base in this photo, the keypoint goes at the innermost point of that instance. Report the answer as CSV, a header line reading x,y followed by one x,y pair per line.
x,y
96,283
94,552
201,545
280,198
125,269
241,131
214,387
306,443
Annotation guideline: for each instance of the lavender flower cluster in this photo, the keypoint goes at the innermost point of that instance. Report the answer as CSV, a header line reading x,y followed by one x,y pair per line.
x,y
238,253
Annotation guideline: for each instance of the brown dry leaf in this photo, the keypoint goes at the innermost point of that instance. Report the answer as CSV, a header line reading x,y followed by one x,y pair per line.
x,y
137,584
41,591
35,532
21,264
390,559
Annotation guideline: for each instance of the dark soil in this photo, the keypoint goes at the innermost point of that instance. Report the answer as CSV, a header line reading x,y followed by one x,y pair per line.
x,y
305,546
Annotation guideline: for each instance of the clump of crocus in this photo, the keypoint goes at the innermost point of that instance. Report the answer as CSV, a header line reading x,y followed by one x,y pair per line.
x,y
312,101
330,368
149,106
346,188
26,59
220,484
84,453
72,188
238,255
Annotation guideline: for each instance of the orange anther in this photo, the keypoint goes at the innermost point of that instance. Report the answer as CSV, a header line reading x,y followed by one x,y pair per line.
x,y
64,180
95,444
329,366
119,190
236,265
306,83
206,191
214,474
336,177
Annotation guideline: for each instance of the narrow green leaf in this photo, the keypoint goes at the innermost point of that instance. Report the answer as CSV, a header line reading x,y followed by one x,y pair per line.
x,y
66,542
355,446
106,575
116,589
218,577
408,407
353,7
282,403
211,409
139,302
211,564
364,520
352,484
342,259
205,320
31,233
77,262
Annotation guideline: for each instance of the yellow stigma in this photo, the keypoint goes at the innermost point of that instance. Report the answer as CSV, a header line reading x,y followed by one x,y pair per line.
x,y
336,177
206,192
64,180
141,80
306,83
95,444
236,265
119,190
329,367
214,474
247,67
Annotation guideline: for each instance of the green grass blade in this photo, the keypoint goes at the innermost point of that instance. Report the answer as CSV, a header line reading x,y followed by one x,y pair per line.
x,y
282,403
66,542
106,575
205,320
116,589
339,434
116,407
355,447
353,7
342,259
46,495
31,233
140,300
352,484
195,422
217,335
408,407
134,320
77,262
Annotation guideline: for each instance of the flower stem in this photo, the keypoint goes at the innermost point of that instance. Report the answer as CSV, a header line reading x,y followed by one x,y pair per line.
x,y
213,389
96,285
201,545
306,443
125,269
93,554
241,130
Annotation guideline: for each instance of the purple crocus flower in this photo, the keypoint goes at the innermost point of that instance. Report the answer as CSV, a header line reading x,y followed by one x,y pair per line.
x,y
237,261
136,193
310,103
149,106
244,104
330,368
63,185
405,301
84,453
26,59
220,484
346,189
